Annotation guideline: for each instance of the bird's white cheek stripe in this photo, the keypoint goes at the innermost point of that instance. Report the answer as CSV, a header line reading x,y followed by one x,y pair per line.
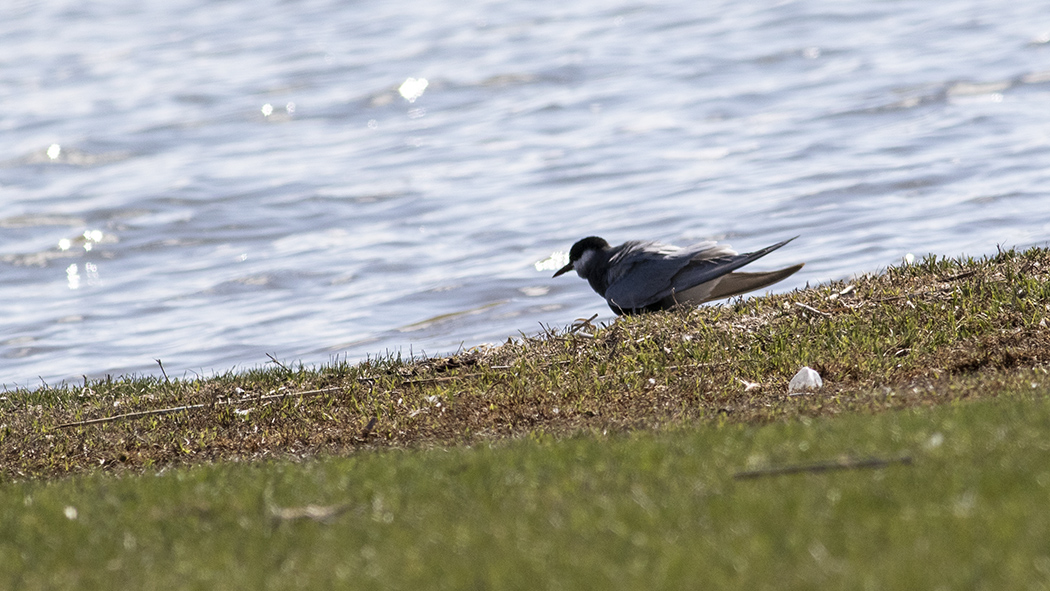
x,y
583,261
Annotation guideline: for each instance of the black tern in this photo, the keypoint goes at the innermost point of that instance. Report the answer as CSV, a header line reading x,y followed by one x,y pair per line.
x,y
637,277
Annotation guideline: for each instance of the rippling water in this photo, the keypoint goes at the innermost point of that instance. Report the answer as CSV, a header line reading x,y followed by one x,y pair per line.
x,y
207,183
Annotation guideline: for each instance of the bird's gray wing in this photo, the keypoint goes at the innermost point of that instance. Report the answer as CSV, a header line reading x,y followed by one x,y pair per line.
x,y
643,273
669,270
703,269
733,284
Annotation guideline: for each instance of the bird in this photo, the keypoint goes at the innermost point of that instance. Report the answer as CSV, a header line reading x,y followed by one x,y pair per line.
x,y
640,276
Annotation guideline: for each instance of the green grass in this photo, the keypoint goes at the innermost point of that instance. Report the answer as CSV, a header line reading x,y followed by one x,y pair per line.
x,y
641,510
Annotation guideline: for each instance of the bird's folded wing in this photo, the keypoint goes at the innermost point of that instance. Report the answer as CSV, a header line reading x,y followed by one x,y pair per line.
x,y
652,278
733,284
701,270
648,272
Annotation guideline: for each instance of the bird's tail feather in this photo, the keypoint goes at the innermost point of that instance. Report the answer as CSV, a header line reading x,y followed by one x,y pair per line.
x,y
739,282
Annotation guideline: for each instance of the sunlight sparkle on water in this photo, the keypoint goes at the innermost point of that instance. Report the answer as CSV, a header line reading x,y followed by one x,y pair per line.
x,y
556,261
413,88
91,237
72,276
535,291
88,240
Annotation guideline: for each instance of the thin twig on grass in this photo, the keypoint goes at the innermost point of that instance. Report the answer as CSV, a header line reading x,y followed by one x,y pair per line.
x,y
314,512
164,373
581,324
811,309
842,464
959,276
174,409
665,369
131,415
273,359
439,379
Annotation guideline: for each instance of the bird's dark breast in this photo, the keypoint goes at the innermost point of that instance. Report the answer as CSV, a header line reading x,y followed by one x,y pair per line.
x,y
598,284
599,281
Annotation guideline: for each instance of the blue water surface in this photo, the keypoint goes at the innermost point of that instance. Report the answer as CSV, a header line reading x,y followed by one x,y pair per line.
x,y
209,183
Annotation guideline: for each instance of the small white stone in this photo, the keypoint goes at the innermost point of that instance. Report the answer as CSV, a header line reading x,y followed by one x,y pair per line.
x,y
935,441
806,380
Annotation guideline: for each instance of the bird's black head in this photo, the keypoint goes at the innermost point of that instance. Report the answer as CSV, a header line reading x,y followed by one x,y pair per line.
x,y
582,246
578,249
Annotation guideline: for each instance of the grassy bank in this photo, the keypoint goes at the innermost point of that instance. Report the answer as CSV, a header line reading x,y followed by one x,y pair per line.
x,y
660,452
915,335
